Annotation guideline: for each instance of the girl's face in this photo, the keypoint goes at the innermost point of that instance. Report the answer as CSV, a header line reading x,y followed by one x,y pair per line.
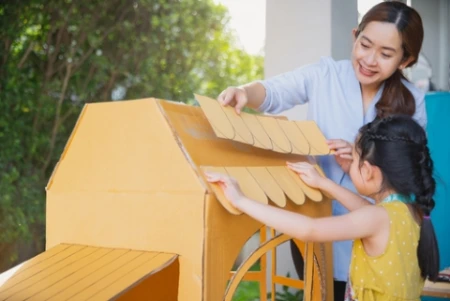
x,y
357,175
377,53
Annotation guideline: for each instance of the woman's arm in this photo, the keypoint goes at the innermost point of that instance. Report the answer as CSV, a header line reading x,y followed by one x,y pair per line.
x,y
276,94
256,93
249,95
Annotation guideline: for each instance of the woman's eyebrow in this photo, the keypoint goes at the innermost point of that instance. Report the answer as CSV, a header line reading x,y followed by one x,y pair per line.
x,y
384,47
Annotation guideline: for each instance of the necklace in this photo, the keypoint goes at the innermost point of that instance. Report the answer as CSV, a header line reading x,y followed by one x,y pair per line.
x,y
396,197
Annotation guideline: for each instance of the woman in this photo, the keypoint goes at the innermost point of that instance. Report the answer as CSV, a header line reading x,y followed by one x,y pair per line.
x,y
345,95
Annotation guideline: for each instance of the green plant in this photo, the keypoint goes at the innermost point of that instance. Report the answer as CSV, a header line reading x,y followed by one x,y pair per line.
x,y
58,55
247,291
287,295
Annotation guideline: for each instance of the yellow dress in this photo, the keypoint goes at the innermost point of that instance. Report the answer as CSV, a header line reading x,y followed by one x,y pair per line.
x,y
394,275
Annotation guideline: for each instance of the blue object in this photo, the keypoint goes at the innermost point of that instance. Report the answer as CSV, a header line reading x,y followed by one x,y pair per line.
x,y
438,130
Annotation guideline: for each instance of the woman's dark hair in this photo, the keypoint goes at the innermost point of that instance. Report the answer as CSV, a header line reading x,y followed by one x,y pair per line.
x,y
398,146
396,98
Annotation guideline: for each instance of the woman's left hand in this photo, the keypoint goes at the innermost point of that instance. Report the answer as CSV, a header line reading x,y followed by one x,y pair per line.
x,y
229,185
343,153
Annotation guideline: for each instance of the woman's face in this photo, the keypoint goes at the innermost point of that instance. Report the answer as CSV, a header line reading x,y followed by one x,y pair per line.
x,y
377,53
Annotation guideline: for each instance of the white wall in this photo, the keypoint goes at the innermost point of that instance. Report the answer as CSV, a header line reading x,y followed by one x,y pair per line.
x,y
299,32
436,47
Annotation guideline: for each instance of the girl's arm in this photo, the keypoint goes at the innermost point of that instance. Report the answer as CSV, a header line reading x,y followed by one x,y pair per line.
x,y
362,223
347,198
311,177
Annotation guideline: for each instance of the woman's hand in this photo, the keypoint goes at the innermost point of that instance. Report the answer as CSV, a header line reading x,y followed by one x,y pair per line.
x,y
229,185
234,96
343,153
308,173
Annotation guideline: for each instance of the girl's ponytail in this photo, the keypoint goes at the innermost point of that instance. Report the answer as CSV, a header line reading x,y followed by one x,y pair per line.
x,y
427,250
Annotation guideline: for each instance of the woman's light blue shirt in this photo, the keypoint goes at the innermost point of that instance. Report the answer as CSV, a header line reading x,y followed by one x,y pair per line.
x,y
334,99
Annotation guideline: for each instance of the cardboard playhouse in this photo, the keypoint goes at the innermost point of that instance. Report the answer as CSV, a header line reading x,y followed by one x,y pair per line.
x,y
131,217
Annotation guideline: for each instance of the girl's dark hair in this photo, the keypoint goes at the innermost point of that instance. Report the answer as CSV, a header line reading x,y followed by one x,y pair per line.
x,y
396,98
398,146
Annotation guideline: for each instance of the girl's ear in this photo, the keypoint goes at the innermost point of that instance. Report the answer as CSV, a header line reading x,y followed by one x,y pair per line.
x,y
368,171
372,175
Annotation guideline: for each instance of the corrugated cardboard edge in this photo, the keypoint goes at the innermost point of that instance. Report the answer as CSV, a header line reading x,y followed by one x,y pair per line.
x,y
183,149
196,171
67,146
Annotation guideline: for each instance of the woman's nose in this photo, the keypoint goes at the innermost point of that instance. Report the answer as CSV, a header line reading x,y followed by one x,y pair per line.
x,y
371,58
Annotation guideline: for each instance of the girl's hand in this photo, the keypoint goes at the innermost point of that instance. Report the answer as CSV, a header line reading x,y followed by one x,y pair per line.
x,y
343,153
229,185
234,96
308,173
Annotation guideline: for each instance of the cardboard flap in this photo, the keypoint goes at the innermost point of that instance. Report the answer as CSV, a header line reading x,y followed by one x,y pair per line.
x,y
260,137
260,183
287,183
315,137
250,187
268,185
218,191
279,139
312,193
291,137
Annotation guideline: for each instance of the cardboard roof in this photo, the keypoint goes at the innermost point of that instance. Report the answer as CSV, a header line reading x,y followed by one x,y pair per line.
x,y
276,134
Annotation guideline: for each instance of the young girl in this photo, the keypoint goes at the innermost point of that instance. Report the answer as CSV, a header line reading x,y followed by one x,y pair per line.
x,y
344,95
395,248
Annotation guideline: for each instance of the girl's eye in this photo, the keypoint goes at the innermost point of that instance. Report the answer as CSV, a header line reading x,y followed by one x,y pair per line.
x,y
364,45
386,55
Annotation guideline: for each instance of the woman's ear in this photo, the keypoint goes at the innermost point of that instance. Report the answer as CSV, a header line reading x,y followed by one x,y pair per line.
x,y
354,30
405,63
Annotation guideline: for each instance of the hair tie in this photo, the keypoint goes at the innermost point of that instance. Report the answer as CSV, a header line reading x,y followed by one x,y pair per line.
x,y
426,217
